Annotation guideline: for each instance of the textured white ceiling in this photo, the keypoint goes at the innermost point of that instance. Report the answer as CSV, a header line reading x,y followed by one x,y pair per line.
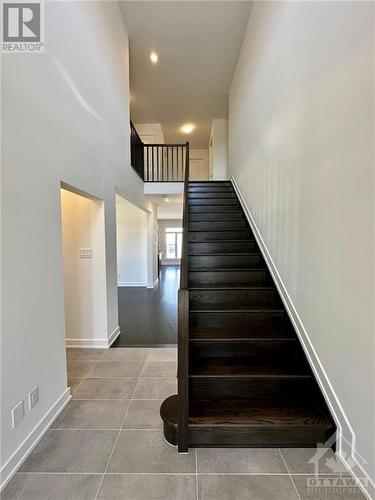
x,y
198,45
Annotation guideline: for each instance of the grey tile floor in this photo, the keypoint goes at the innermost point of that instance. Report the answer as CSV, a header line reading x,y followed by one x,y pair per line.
x,y
108,444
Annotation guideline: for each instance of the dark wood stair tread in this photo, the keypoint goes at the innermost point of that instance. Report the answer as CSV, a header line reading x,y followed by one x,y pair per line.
x,y
230,269
221,241
230,286
233,334
246,240
252,308
224,254
239,286
223,230
247,413
244,368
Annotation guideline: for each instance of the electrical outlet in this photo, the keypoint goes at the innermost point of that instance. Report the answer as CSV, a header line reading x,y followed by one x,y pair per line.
x,y
33,397
18,413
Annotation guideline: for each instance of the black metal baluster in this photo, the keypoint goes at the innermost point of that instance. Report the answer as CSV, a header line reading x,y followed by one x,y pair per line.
x,y
153,163
168,164
157,161
174,165
146,164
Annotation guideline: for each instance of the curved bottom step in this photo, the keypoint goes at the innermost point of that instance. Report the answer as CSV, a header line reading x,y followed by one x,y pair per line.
x,y
169,415
239,423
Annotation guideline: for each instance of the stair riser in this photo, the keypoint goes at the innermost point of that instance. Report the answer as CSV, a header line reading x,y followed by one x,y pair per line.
x,y
214,216
287,349
218,224
244,319
214,208
259,389
214,201
209,183
225,261
269,437
216,298
222,247
214,189
216,278
219,235
212,194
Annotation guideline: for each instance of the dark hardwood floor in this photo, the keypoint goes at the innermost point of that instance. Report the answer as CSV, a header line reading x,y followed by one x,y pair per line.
x,y
148,317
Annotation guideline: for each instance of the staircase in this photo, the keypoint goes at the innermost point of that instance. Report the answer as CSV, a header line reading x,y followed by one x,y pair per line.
x,y
244,380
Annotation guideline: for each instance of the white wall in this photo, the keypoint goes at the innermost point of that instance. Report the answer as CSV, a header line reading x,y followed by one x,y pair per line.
x,y
70,123
152,248
163,188
131,244
301,139
150,133
84,279
170,211
218,150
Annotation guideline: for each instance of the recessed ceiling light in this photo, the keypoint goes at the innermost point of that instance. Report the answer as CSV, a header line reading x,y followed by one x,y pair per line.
x,y
154,57
187,128
166,199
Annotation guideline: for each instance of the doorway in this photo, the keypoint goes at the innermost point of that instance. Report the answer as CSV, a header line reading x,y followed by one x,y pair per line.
x,y
84,270
148,301
131,228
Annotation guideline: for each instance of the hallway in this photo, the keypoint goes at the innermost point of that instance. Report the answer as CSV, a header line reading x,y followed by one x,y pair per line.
x,y
148,317
191,181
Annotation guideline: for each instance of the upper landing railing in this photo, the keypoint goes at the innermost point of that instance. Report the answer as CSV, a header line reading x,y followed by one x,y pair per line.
x,y
158,162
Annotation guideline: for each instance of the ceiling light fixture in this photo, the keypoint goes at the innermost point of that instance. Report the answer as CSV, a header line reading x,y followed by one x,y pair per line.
x,y
154,57
187,128
166,199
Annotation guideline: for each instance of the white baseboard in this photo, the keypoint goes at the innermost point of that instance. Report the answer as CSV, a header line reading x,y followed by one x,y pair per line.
x,y
132,283
364,481
116,332
19,456
154,284
345,433
103,343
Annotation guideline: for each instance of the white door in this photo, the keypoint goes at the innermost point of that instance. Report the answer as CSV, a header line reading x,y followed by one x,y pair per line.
x,y
196,171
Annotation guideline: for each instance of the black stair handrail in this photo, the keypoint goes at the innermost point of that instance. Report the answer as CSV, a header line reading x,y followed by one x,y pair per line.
x,y
183,324
158,162
185,223
136,151
170,163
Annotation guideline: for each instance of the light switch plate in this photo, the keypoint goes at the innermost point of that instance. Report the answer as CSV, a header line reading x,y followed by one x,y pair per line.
x,y
85,253
18,413
33,397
